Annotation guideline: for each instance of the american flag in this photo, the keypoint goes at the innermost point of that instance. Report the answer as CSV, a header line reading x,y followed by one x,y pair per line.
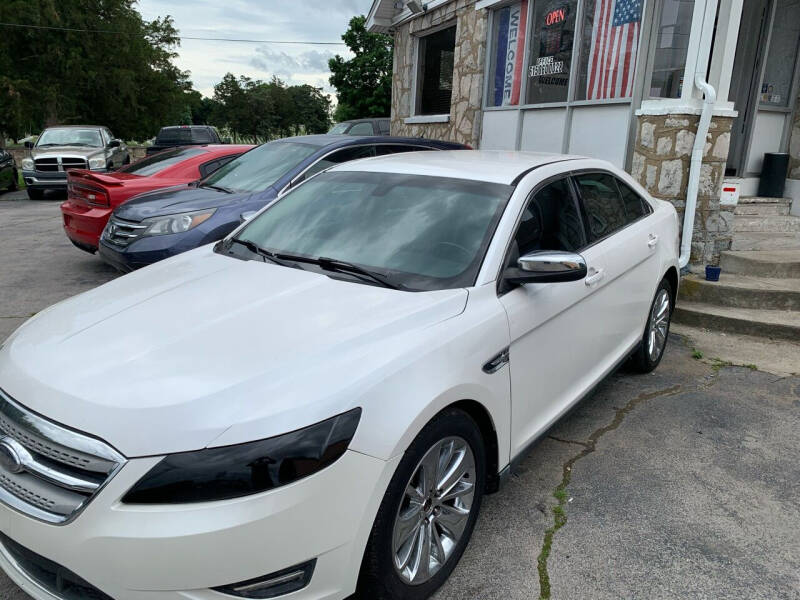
x,y
615,39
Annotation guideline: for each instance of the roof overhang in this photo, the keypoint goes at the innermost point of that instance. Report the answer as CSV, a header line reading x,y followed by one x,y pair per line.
x,y
381,15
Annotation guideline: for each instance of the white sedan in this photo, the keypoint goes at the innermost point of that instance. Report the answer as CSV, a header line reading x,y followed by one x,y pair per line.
x,y
317,404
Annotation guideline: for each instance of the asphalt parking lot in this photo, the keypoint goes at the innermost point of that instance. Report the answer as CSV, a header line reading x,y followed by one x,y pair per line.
x,y
684,483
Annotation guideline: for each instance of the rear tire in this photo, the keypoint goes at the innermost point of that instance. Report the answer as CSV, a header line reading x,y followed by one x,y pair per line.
x,y
14,179
35,194
424,522
654,340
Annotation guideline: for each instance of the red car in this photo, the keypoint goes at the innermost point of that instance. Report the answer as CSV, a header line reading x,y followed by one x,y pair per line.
x,y
92,197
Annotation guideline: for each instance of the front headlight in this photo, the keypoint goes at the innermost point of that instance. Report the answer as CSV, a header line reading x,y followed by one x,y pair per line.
x,y
27,164
98,162
176,223
235,471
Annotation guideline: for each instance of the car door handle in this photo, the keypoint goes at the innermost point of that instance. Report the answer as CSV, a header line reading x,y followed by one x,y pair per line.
x,y
652,240
594,277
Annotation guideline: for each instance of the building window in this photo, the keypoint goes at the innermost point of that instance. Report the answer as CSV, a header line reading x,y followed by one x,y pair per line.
x,y
776,86
609,45
672,43
510,26
553,33
435,79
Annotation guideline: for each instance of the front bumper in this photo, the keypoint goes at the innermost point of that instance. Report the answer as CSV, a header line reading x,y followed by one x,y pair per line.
x,y
49,180
180,552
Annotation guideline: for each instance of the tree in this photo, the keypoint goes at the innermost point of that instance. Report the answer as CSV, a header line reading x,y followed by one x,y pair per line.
x,y
363,83
121,74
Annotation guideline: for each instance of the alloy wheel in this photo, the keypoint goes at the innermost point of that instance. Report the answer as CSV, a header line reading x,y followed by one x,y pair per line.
x,y
659,325
434,511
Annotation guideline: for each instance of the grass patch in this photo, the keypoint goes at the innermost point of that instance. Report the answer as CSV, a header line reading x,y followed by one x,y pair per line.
x,y
696,354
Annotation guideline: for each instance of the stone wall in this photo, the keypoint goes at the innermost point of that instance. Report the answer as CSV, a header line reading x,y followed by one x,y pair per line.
x,y
794,145
465,112
661,164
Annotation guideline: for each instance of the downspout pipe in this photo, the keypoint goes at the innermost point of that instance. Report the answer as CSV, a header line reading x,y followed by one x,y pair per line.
x,y
695,167
696,162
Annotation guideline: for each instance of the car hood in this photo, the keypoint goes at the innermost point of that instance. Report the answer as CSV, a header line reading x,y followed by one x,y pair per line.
x,y
180,199
169,358
55,151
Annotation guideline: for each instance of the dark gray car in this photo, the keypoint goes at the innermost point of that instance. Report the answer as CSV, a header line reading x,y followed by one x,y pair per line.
x,y
62,148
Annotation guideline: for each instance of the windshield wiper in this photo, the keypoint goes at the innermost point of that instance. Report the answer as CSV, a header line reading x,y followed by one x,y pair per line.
x,y
341,266
216,187
256,249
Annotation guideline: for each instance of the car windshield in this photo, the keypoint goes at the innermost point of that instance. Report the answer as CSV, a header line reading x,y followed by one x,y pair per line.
x,y
156,163
258,169
340,128
70,136
421,232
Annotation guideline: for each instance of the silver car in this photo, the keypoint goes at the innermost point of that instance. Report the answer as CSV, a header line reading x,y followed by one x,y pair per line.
x,y
62,148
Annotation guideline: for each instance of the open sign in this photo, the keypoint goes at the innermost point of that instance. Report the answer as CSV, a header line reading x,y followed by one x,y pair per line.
x,y
555,16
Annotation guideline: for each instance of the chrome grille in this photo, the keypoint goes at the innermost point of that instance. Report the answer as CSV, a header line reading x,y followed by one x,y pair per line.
x,y
62,163
46,470
46,164
121,233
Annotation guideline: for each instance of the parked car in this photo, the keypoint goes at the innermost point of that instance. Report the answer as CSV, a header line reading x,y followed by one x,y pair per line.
x,y
62,148
154,226
184,135
361,127
91,197
8,171
318,403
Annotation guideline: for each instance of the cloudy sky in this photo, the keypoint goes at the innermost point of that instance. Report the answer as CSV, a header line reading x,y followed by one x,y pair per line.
x,y
292,20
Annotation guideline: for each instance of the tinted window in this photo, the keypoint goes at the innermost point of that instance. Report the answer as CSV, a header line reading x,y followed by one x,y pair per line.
x,y
341,156
423,232
258,169
158,162
383,125
207,168
605,211
202,136
635,206
361,129
339,128
549,222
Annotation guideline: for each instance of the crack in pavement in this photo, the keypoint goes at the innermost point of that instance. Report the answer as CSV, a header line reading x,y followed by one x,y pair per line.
x,y
560,493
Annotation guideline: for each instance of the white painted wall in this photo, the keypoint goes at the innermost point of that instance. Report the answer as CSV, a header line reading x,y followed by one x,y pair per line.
x,y
600,131
543,129
499,130
766,137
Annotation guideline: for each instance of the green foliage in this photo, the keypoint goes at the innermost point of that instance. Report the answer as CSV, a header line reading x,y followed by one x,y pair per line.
x,y
255,109
125,80
696,354
363,83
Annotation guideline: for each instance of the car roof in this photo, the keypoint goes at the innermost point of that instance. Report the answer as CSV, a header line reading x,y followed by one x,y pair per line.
x,y
186,127
333,140
494,166
76,127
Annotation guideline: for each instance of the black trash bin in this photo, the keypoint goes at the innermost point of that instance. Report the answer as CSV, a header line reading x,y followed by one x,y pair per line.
x,y
773,175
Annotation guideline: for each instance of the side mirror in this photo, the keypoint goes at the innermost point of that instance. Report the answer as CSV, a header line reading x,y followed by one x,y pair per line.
x,y
247,215
114,144
29,144
548,266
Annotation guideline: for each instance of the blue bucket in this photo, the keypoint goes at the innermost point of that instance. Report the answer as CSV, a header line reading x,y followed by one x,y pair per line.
x,y
712,273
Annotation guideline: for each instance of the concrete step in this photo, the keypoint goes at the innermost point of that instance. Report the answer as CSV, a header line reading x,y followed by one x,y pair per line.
x,y
777,263
765,241
743,291
775,324
763,207
766,224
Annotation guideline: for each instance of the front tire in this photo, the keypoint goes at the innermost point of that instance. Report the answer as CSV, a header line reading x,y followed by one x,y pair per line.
x,y
428,513
14,179
647,356
35,194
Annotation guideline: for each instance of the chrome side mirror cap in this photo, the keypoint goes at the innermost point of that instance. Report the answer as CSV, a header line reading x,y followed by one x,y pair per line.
x,y
549,266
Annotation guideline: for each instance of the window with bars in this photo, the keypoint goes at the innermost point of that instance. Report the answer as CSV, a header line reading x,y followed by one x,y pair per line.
x,y
435,79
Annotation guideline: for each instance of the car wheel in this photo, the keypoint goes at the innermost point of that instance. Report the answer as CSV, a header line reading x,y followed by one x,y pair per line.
x,y
14,179
647,356
428,513
127,160
35,194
